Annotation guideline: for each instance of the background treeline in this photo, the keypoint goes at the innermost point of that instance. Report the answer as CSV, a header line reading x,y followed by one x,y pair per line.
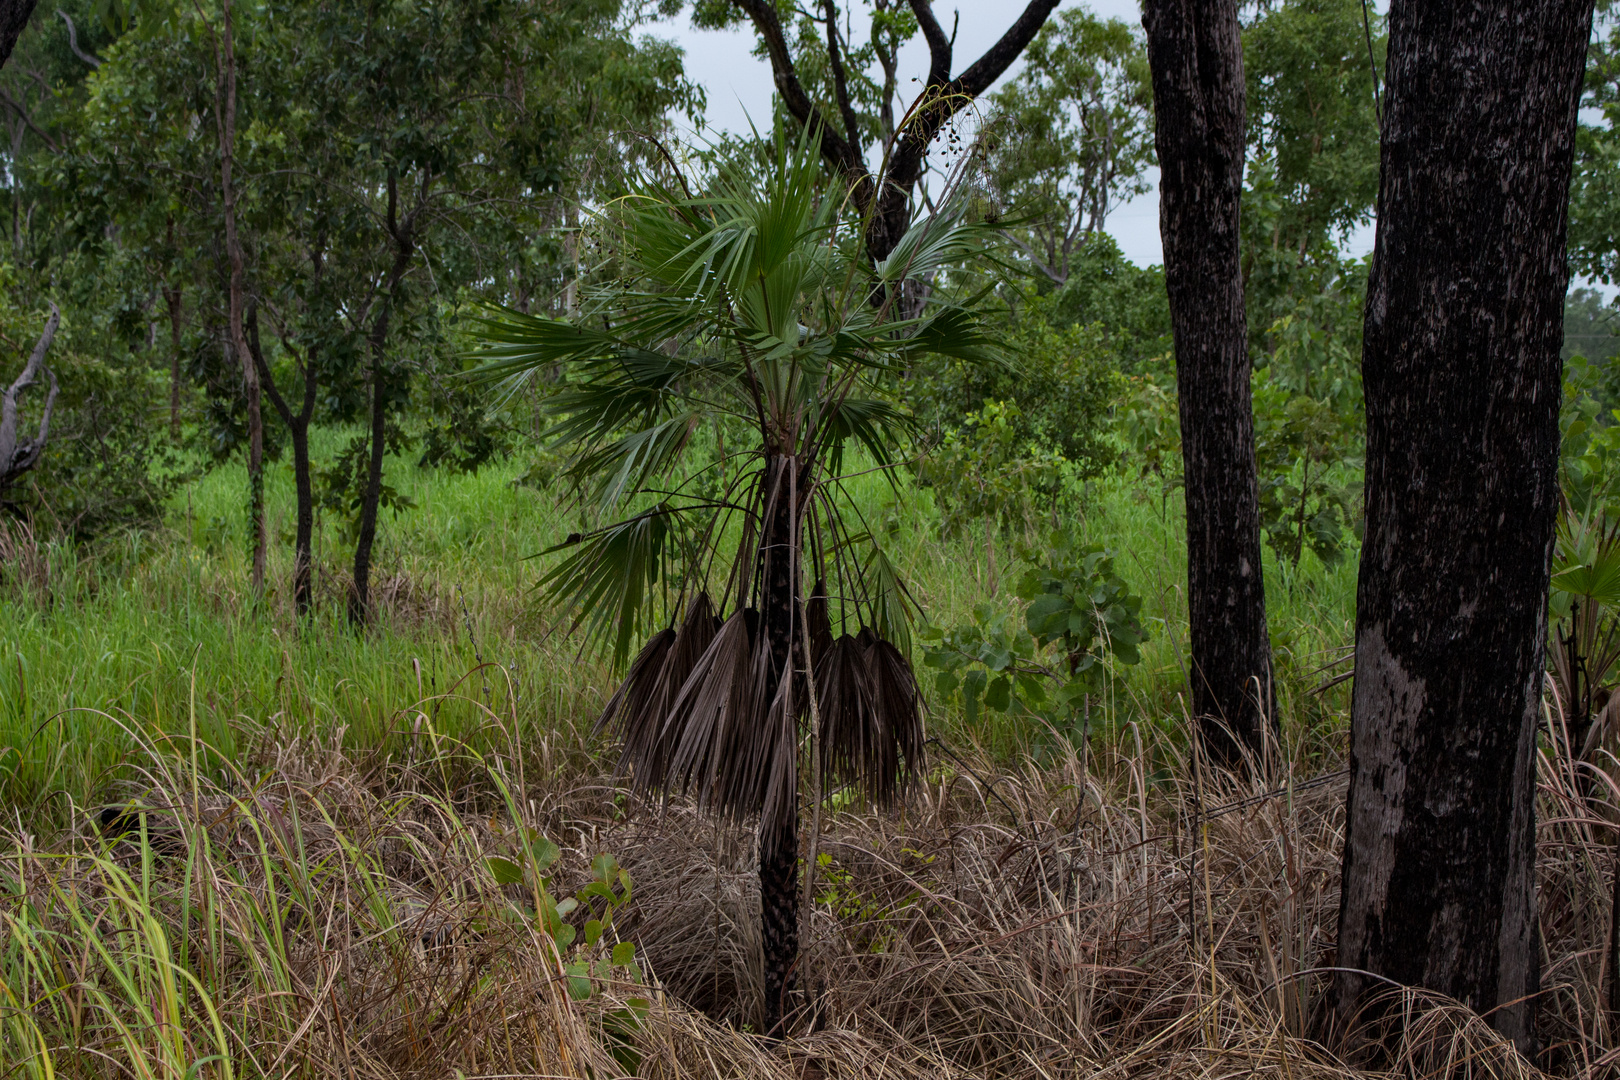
x,y
396,165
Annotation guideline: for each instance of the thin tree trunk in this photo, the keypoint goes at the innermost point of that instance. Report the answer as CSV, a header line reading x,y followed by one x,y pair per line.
x,y
405,249
303,550
1462,376
360,595
1196,55
225,102
173,298
779,826
298,428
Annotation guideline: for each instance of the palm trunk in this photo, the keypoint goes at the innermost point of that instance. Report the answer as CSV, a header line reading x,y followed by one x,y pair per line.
x,y
1197,59
779,826
1462,375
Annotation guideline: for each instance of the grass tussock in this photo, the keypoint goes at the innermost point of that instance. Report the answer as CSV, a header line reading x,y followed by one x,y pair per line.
x,y
311,915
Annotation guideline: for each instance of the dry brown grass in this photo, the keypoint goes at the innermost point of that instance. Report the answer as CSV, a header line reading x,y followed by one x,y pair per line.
x,y
317,919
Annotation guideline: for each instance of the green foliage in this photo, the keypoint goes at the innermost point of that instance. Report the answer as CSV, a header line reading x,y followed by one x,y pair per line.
x,y
1148,425
1312,177
587,952
1313,130
340,486
1014,441
1046,659
1072,136
1305,457
988,470
1594,196
1126,303
1590,443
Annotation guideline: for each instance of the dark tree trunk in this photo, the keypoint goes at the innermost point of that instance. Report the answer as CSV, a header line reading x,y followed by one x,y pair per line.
x,y
360,594
779,914
225,105
172,296
779,824
887,199
298,427
303,551
1462,379
401,231
1196,55
14,16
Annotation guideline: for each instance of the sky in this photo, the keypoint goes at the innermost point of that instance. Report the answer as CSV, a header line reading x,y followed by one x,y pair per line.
x,y
739,86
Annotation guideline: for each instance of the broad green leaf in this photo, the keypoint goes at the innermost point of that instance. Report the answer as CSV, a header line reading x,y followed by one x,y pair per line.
x,y
506,871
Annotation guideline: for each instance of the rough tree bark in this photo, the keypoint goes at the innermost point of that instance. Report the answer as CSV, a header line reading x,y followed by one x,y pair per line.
x,y
1461,371
14,15
886,199
18,457
1196,55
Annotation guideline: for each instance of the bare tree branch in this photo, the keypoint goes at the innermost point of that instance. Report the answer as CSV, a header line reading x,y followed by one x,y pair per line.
x,y
17,458
943,98
939,49
22,113
834,147
852,129
999,57
73,41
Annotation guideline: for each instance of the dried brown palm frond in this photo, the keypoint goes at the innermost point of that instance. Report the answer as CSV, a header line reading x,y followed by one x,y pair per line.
x,y
644,701
817,623
717,749
871,718
897,758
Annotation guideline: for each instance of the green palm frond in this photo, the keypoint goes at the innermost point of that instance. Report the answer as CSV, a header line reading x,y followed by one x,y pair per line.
x,y
627,465
879,426
610,577
892,606
748,301
934,243
956,332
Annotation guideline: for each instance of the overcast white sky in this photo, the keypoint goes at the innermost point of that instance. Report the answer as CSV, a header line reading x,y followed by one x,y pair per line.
x,y
739,86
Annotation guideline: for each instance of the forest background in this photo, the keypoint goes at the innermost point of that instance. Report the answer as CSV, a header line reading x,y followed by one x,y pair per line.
x,y
401,167
138,513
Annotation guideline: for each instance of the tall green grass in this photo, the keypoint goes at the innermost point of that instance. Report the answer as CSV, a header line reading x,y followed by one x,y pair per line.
x,y
141,632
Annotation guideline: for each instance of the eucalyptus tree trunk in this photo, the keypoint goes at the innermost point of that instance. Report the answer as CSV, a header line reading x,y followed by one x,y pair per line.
x,y
779,823
1461,373
20,454
1196,54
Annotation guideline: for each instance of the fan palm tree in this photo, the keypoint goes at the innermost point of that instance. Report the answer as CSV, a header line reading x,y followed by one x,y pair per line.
x,y
747,308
